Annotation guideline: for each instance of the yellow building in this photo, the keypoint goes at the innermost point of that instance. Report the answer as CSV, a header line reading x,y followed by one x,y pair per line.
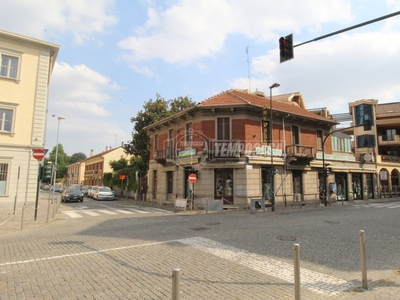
x,y
26,67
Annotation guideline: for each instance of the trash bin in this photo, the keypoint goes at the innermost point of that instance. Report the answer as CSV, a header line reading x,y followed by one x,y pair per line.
x,y
257,204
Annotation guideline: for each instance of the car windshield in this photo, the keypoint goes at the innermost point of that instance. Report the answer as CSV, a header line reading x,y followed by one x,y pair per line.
x,y
73,190
104,189
84,189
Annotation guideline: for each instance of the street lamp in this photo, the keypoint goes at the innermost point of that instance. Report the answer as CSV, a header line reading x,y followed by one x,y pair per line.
x,y
275,85
55,163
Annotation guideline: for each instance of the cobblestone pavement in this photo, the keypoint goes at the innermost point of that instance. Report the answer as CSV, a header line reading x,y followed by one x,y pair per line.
x,y
234,255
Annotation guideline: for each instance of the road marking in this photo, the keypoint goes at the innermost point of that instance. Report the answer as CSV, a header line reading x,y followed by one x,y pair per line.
x,y
90,213
108,212
138,210
123,211
315,281
396,206
72,214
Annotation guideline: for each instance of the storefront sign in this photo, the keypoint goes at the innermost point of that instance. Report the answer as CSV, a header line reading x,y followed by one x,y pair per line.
x,y
336,157
188,152
267,151
383,175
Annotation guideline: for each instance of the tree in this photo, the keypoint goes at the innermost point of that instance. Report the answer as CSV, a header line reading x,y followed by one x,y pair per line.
x,y
62,160
123,167
77,157
153,111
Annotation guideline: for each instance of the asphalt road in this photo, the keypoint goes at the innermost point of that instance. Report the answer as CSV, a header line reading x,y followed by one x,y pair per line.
x,y
230,255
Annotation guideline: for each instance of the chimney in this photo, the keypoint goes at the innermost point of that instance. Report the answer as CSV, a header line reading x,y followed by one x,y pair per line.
x,y
109,148
122,144
106,148
91,152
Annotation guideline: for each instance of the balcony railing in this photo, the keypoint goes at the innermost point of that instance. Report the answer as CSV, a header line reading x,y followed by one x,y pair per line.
x,y
388,139
166,153
300,151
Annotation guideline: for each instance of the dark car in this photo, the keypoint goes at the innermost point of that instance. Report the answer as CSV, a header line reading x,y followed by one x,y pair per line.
x,y
85,191
72,194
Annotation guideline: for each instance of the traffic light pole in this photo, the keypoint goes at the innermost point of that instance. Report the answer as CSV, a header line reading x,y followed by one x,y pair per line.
x,y
324,170
37,191
350,28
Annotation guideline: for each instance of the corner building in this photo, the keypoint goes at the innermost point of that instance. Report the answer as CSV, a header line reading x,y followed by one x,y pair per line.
x,y
225,140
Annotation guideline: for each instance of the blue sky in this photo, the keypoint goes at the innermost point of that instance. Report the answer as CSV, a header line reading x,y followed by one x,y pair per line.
x,y
117,54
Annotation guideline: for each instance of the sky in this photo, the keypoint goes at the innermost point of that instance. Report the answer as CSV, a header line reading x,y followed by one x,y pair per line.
x,y
115,55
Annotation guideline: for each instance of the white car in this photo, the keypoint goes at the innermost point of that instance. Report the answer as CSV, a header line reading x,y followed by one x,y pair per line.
x,y
91,191
103,193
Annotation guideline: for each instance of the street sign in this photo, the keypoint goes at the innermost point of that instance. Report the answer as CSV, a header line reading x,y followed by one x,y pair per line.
x,y
39,154
122,177
192,178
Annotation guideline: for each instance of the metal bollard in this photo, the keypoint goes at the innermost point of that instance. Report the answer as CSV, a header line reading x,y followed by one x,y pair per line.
x,y
363,260
176,282
297,292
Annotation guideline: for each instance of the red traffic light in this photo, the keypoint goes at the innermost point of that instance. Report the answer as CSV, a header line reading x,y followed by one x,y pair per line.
x,y
286,48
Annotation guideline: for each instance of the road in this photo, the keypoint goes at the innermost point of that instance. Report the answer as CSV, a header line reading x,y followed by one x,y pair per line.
x,y
230,255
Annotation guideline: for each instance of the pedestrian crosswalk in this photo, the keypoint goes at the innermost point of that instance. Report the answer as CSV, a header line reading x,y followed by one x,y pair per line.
x,y
122,211
378,205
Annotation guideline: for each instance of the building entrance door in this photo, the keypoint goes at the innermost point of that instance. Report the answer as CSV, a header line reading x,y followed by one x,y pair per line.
x,y
224,185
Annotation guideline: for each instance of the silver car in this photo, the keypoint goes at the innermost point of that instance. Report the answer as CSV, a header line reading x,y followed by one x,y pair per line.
x,y
103,193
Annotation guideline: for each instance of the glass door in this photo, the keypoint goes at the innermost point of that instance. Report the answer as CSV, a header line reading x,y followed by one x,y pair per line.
x,y
224,185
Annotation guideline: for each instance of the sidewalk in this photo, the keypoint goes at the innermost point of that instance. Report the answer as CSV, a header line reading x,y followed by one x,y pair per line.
x,y
10,222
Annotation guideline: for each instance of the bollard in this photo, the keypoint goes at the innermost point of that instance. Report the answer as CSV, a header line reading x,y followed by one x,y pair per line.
x,y
363,260
297,293
176,282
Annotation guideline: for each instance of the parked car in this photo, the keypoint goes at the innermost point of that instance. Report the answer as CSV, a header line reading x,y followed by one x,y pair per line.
x,y
85,191
72,194
90,191
103,193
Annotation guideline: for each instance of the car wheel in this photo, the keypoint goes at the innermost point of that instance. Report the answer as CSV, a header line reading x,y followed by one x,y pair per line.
x,y
81,200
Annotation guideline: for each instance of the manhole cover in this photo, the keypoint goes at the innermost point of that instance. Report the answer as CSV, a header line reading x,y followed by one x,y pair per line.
x,y
332,222
286,238
213,223
199,228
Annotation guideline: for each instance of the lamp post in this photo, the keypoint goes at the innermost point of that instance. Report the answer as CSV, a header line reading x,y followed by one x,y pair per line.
x,y
55,163
275,85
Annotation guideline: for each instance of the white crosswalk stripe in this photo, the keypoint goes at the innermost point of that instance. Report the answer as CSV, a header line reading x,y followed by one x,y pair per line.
x,y
127,211
377,205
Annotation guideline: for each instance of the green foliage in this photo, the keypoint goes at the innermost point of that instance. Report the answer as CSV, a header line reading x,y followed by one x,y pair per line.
x,y
62,160
153,111
77,157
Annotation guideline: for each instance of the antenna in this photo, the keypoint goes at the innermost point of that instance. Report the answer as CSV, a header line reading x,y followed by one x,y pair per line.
x,y
248,66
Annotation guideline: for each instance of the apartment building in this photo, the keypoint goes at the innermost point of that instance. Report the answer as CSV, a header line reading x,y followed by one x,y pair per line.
x,y
97,164
378,145
26,67
226,140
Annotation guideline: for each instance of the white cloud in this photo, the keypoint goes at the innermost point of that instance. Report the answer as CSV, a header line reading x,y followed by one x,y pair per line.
x,y
77,84
343,69
50,18
191,30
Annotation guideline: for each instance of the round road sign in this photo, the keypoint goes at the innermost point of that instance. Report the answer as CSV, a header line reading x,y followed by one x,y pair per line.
x,y
192,178
38,154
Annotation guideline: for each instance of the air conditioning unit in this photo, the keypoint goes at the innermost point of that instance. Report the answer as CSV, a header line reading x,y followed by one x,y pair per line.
x,y
367,157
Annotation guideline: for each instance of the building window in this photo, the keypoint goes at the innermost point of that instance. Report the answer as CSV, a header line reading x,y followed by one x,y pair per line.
x,y
6,119
3,178
319,139
223,129
390,134
362,111
9,66
155,144
341,144
188,134
366,140
170,182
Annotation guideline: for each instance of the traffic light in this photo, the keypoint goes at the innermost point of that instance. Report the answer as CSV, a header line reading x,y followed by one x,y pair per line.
x,y
48,167
326,172
286,48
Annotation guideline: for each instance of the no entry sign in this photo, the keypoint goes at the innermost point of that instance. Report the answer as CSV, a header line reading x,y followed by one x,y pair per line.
x,y
39,154
192,178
